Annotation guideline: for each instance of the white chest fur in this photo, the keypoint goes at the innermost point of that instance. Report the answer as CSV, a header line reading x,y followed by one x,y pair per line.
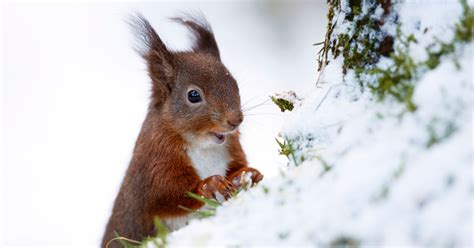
x,y
209,160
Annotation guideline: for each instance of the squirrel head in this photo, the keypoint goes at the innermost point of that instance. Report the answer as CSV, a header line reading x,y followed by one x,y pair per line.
x,y
193,91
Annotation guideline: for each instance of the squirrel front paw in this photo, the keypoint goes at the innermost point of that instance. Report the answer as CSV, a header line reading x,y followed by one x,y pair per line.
x,y
212,186
245,177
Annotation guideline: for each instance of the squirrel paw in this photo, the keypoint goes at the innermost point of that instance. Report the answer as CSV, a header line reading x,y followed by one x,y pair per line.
x,y
214,187
245,177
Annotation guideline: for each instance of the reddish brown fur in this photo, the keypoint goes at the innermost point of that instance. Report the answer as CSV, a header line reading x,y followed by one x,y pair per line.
x,y
160,172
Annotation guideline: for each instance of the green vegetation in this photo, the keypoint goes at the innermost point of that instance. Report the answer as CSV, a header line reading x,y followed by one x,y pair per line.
x,y
398,80
333,6
161,233
465,27
207,211
211,205
345,241
362,46
283,104
159,240
287,149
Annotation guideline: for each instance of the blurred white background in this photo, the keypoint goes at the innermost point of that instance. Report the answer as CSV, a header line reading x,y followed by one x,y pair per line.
x,y
74,94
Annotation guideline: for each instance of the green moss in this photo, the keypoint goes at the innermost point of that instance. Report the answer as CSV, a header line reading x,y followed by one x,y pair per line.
x,y
359,50
398,80
356,9
434,56
362,47
283,104
464,28
359,47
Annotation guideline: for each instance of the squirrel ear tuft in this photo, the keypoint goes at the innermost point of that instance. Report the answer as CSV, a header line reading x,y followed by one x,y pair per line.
x,y
204,40
160,60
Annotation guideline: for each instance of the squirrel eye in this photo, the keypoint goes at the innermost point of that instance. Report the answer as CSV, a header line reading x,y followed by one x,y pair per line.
x,y
194,96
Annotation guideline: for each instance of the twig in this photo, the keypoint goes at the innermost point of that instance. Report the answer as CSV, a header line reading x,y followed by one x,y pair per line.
x,y
121,238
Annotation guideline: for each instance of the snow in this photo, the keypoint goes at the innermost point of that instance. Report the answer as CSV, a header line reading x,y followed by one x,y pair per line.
x,y
386,183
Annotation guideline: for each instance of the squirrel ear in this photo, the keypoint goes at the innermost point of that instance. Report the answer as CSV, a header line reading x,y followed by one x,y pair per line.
x,y
160,60
204,40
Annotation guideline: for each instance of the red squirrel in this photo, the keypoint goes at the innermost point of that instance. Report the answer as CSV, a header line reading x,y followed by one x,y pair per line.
x,y
189,141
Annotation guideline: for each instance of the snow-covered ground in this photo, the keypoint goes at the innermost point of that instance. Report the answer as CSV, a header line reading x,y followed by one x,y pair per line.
x,y
370,175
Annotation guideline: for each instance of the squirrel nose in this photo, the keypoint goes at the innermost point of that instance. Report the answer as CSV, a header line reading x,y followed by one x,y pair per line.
x,y
232,125
234,122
